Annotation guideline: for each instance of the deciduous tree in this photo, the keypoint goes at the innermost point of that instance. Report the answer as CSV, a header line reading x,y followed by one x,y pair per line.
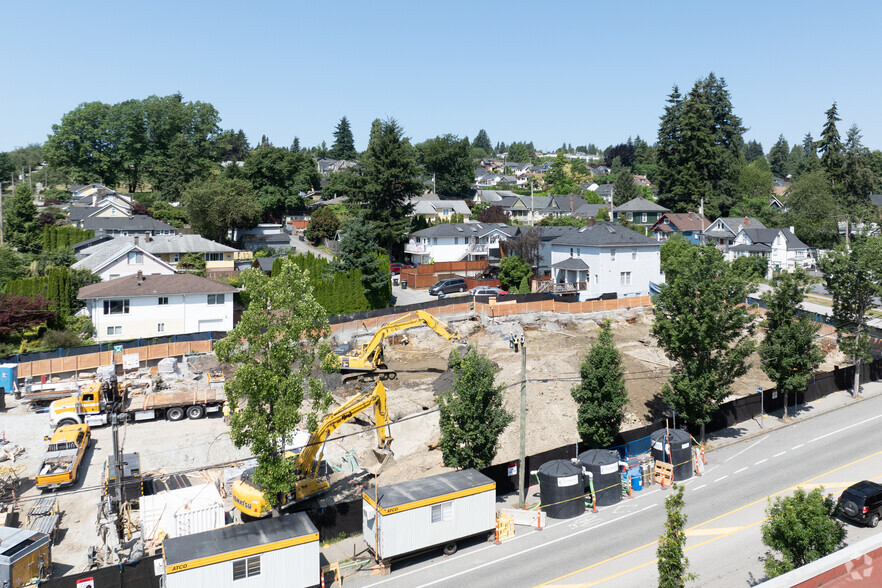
x,y
790,354
216,206
323,224
513,269
704,328
801,528
672,563
448,160
811,209
472,414
493,214
275,347
278,176
20,313
601,396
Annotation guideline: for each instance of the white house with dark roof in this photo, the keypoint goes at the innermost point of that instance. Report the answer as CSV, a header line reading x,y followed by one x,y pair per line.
x,y
171,248
605,258
137,224
781,246
157,305
722,232
434,209
118,259
458,242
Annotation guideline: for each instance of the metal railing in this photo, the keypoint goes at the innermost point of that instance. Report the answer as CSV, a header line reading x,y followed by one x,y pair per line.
x,y
562,287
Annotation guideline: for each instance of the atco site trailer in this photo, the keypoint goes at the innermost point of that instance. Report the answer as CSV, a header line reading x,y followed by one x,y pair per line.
x,y
280,551
25,556
430,512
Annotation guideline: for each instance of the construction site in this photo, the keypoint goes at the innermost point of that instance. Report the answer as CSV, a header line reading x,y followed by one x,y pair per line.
x,y
185,461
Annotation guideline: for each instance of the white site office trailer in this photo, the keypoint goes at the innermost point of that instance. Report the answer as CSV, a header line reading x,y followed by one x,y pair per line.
x,y
420,514
280,551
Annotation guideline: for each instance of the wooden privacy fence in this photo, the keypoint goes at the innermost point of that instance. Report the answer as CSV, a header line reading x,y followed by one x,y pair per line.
x,y
501,308
91,361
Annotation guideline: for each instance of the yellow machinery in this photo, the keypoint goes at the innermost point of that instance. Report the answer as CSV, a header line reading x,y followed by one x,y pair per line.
x,y
367,361
249,498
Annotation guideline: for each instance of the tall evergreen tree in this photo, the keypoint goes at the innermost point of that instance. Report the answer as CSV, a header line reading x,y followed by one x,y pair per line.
x,y
753,150
624,188
810,161
295,145
779,156
672,563
344,144
22,228
858,180
359,251
830,146
482,141
391,178
601,395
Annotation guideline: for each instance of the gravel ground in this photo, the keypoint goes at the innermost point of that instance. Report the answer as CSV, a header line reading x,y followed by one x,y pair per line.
x,y
163,446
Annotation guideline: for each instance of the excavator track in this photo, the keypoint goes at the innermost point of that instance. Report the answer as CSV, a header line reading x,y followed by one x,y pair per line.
x,y
368,377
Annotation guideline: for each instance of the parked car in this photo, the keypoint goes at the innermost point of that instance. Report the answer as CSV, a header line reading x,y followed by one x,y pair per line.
x,y
862,503
448,286
487,291
396,268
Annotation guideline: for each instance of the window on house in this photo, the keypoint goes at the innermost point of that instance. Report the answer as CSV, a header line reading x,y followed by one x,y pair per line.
x,y
214,257
434,240
162,300
112,276
578,251
215,298
625,278
160,327
630,216
136,258
644,217
117,330
441,513
246,567
633,254
116,307
571,251
176,257
456,240
612,254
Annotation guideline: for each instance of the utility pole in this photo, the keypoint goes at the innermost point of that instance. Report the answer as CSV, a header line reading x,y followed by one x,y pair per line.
x,y
523,464
531,203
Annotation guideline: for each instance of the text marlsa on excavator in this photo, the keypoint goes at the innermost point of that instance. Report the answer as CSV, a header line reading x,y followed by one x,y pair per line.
x,y
248,496
367,362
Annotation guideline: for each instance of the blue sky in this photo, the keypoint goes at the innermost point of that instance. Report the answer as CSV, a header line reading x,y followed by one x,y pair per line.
x,y
554,72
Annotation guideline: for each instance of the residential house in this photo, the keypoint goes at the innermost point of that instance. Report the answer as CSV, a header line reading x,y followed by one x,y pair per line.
x,y
541,168
487,179
491,196
434,209
119,258
144,306
722,231
532,209
327,166
639,211
137,224
781,246
688,224
599,170
458,242
263,235
518,169
604,259
590,210
99,195
170,249
107,209
605,191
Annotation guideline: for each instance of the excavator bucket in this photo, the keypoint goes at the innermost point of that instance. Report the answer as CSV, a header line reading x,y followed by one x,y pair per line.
x,y
378,460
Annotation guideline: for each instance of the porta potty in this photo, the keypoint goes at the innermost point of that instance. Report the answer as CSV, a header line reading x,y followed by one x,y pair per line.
x,y
604,467
561,489
676,450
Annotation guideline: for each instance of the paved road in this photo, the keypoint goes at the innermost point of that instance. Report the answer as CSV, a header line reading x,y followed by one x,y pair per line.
x,y
725,506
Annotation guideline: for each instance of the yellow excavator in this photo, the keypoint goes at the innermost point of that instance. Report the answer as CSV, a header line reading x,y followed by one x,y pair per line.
x,y
368,362
249,498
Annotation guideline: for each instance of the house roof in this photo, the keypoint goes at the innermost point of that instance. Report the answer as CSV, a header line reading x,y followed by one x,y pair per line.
x,y
571,263
683,221
604,234
641,205
107,252
876,199
752,248
423,205
179,243
153,285
237,537
265,264
137,222
465,230
605,189
757,235
268,238
489,195
736,223
76,213
590,210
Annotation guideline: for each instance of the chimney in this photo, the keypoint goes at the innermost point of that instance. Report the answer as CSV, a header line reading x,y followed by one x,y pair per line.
x,y
95,199
140,275
591,221
792,231
136,239
746,221
147,238
572,203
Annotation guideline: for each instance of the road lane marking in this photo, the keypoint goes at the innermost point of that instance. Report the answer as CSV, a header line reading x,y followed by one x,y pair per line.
x,y
716,518
699,487
845,428
722,478
713,531
741,470
745,449
779,454
761,461
797,447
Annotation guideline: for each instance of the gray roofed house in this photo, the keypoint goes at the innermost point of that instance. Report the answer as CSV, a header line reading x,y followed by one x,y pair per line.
x,y
604,234
432,207
458,242
118,258
876,199
590,210
722,232
571,263
136,224
639,211
605,191
152,285
782,247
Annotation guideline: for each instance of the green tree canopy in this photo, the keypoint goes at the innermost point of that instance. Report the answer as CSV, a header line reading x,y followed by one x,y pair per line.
x,y
513,269
801,528
519,153
779,157
601,396
672,563
275,347
703,327
472,414
346,182
482,141
790,354
22,228
830,146
359,251
323,224
812,211
344,143
448,159
278,176
219,205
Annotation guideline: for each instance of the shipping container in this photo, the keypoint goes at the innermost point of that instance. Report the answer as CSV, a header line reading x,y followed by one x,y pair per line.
x,y
431,512
185,511
25,556
280,551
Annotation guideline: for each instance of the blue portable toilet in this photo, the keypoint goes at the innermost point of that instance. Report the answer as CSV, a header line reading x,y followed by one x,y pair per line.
x,y
8,376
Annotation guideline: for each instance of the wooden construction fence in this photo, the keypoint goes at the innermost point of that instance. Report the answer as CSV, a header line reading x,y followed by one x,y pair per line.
x,y
91,361
502,308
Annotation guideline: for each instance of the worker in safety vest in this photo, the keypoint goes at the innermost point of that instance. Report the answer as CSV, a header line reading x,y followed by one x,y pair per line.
x,y
226,410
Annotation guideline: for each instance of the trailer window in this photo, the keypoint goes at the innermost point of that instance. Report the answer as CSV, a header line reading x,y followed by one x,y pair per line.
x,y
441,513
246,567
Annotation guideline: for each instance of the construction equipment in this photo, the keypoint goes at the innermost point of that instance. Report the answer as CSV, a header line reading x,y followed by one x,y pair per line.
x,y
367,362
249,498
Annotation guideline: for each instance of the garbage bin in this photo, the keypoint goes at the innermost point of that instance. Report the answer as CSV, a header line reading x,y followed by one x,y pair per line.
x,y
404,284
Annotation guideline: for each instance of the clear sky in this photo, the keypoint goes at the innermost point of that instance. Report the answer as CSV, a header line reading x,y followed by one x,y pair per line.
x,y
550,72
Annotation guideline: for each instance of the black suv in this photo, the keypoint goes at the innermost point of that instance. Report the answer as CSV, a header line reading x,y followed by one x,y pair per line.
x,y
448,286
862,503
